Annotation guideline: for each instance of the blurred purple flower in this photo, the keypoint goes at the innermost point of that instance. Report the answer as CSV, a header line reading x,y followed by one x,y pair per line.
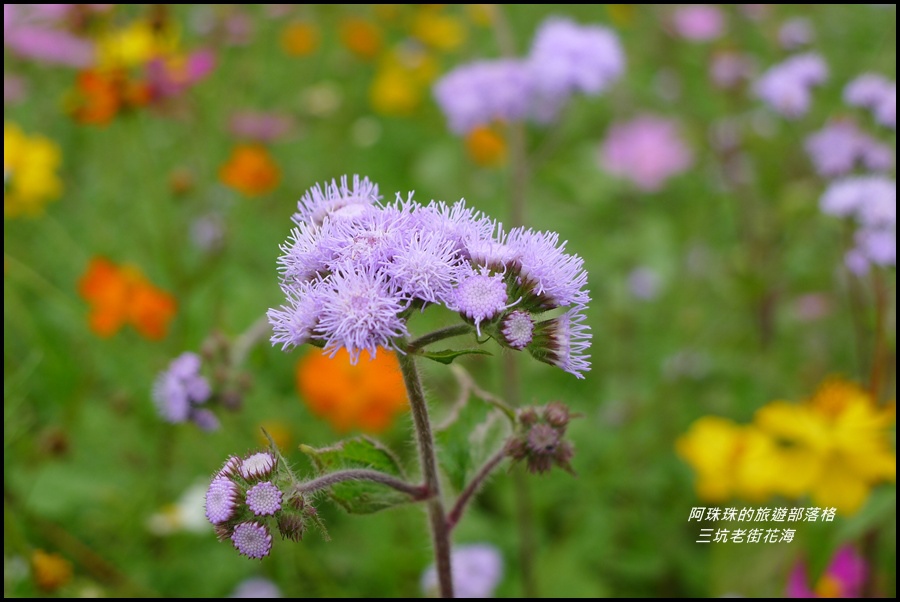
x,y
256,587
13,89
844,577
871,199
699,22
482,92
867,90
795,33
476,571
566,58
812,306
787,86
644,283
886,111
259,126
37,31
647,150
181,387
840,146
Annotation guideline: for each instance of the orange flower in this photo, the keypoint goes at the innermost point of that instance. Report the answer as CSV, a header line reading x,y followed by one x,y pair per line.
x,y
299,38
51,571
361,37
486,147
250,170
100,95
123,295
366,396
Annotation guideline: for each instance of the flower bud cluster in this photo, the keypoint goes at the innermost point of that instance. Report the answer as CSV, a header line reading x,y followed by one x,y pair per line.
x,y
538,440
248,494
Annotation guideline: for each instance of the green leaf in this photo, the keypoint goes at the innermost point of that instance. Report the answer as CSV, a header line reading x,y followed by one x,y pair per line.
x,y
359,497
474,433
448,355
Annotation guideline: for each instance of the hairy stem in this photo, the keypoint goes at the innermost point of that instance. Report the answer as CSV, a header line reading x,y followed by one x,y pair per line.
x,y
439,335
248,339
416,492
440,533
474,485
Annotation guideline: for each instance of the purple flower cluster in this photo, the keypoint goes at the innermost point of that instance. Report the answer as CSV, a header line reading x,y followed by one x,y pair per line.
x,y
247,492
647,150
787,86
180,390
876,93
565,58
699,22
354,270
872,202
38,32
840,146
476,571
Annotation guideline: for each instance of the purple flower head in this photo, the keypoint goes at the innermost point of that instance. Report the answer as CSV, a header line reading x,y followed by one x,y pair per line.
x,y
871,199
256,587
480,296
370,239
179,387
482,92
547,276
360,311
517,329
844,577
647,150
886,111
477,569
877,245
221,500
295,323
264,499
252,540
867,90
836,149
424,266
562,342
457,223
699,22
34,31
205,419
786,87
339,201
257,466
643,283
566,58
307,253
795,33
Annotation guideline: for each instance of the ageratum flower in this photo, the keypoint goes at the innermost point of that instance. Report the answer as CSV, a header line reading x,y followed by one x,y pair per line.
x,y
836,149
787,87
180,388
252,539
353,271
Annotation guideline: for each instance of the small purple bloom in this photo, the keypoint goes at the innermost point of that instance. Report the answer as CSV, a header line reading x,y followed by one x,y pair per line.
x,y
221,500
294,324
257,466
424,266
517,329
878,245
360,311
647,150
872,199
867,90
886,111
252,539
264,499
259,126
180,387
480,296
730,69
562,342
230,468
795,33
546,271
482,92
205,420
699,22
476,571
643,283
339,201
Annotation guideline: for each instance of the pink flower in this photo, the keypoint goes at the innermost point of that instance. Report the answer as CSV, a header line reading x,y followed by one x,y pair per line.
x,y
259,126
647,150
699,22
844,578
36,31
171,77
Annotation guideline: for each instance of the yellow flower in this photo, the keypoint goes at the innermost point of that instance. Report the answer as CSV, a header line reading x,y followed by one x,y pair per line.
x,y
486,147
480,14
29,172
836,443
51,571
730,460
621,15
395,91
136,44
439,31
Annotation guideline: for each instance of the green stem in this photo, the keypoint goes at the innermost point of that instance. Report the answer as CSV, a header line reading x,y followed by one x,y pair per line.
x,y
473,486
440,532
416,492
439,335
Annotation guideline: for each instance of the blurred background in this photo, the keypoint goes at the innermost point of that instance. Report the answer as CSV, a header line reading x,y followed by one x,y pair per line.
x,y
730,186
